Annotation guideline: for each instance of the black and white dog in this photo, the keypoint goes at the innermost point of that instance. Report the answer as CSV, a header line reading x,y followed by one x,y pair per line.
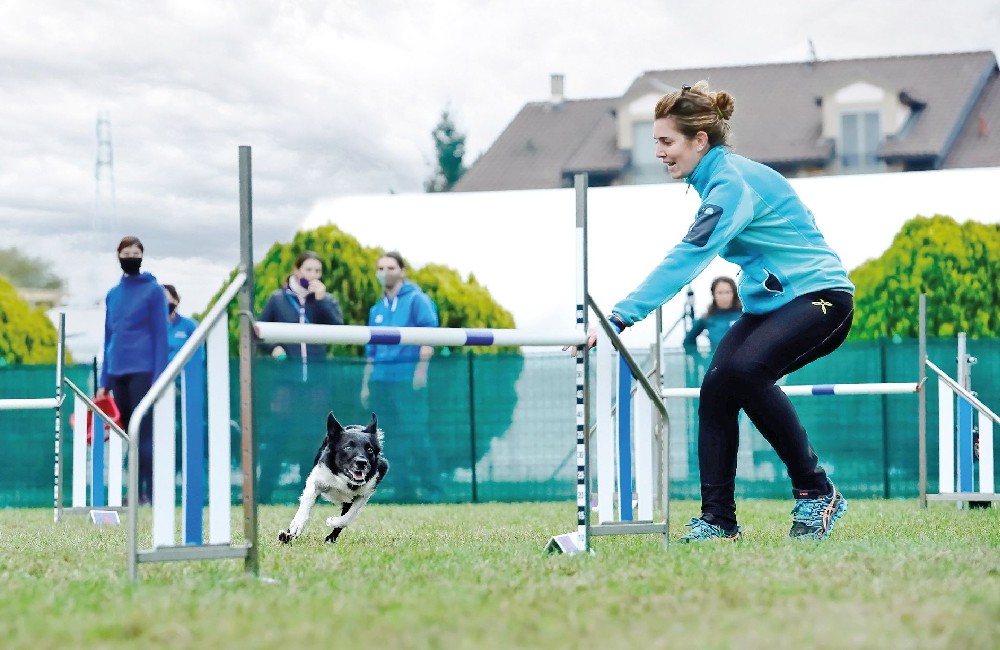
x,y
348,467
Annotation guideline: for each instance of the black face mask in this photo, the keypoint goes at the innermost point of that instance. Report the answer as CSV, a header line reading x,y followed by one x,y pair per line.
x,y
171,308
130,264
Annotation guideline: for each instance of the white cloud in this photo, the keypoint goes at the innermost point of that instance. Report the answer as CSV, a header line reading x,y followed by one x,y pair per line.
x,y
340,98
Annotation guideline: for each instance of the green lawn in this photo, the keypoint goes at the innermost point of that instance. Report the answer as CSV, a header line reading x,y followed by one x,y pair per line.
x,y
475,576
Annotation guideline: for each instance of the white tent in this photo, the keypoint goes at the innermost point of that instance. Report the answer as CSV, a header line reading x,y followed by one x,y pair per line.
x,y
521,244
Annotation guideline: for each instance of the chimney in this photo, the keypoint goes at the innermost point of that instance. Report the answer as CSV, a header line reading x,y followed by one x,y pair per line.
x,y
557,90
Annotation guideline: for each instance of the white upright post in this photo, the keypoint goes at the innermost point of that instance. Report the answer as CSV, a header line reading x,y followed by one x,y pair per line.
x,y
219,489
946,438
115,458
643,455
986,483
605,428
80,413
164,468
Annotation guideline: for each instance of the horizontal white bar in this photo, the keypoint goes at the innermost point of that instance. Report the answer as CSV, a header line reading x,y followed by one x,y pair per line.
x,y
360,335
36,404
816,389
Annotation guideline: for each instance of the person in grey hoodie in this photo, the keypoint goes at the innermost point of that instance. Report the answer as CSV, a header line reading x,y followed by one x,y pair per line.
x,y
135,348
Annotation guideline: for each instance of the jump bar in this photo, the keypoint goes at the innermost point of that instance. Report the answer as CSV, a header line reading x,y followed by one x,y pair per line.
x,y
360,335
818,389
35,404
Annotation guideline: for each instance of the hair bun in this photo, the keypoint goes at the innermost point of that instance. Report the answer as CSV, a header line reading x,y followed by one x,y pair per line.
x,y
725,104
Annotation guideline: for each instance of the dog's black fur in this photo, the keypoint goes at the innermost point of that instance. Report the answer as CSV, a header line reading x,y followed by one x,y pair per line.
x,y
348,468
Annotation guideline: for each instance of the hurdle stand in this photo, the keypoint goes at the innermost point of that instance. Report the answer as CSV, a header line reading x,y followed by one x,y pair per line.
x,y
213,332
632,440
101,495
955,395
54,403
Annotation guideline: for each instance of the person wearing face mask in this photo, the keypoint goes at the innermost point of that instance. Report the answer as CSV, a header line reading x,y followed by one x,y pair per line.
x,y
302,299
135,348
394,384
798,304
179,328
296,402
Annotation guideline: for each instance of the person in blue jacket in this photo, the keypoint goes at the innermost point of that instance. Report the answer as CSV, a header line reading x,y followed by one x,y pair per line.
x,y
135,348
798,304
725,309
299,398
179,327
395,381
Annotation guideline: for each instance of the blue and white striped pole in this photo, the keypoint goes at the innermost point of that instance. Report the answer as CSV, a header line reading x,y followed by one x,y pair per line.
x,y
817,389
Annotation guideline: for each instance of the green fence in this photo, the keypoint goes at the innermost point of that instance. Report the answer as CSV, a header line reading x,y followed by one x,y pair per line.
x,y
503,426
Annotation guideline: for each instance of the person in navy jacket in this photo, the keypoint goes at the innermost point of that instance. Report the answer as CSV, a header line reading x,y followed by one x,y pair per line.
x,y
395,381
135,348
299,398
797,307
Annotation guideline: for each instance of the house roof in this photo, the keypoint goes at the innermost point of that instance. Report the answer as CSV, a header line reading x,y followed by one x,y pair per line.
x,y
777,121
978,143
778,118
543,141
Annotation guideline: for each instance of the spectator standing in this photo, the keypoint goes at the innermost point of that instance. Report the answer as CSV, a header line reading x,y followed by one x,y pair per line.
x,y
135,348
395,382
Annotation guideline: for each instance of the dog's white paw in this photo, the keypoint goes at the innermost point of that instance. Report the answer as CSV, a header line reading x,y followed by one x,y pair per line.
x,y
296,527
285,536
336,522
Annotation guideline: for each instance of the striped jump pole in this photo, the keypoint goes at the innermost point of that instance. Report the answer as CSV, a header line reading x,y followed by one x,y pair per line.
x,y
904,388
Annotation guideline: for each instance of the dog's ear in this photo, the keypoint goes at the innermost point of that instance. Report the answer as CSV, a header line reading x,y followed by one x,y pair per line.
x,y
333,428
372,425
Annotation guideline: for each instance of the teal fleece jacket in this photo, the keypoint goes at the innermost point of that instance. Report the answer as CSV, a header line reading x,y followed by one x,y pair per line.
x,y
750,216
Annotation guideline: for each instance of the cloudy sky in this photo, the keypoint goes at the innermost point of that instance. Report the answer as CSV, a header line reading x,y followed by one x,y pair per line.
x,y
339,98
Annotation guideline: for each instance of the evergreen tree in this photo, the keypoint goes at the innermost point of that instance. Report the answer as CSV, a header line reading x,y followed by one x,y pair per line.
x,y
449,146
957,266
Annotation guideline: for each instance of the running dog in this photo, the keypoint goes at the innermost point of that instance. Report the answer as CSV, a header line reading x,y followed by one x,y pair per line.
x,y
348,468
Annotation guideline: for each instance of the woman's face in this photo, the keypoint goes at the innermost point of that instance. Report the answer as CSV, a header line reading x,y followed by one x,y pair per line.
x,y
674,149
311,269
130,251
723,295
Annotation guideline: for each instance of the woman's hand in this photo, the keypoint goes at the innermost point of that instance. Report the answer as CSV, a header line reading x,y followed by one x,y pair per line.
x,y
317,288
100,394
591,342
278,353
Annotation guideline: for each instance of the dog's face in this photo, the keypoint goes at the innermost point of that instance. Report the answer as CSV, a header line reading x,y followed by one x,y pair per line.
x,y
353,451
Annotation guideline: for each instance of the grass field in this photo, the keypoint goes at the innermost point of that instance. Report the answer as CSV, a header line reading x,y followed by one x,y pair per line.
x,y
475,576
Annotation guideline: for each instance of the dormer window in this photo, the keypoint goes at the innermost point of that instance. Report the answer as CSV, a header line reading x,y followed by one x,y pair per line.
x,y
856,121
860,134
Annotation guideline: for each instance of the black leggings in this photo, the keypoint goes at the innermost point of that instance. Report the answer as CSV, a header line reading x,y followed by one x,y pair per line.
x,y
755,353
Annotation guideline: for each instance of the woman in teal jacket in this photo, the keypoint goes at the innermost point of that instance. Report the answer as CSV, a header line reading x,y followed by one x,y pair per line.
x,y
797,307
719,317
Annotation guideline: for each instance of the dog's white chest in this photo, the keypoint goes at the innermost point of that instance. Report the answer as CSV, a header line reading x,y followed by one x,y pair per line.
x,y
334,487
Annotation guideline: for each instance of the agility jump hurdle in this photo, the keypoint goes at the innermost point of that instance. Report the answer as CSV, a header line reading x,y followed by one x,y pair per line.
x,y
54,403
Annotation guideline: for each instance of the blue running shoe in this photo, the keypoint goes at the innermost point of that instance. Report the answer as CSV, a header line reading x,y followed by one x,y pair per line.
x,y
702,531
814,515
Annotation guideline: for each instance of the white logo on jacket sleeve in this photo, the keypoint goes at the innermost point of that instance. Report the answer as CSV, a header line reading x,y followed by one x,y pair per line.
x,y
378,318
